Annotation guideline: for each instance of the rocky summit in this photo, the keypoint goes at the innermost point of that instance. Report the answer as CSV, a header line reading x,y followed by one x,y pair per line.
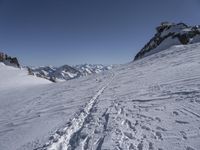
x,y
170,34
8,60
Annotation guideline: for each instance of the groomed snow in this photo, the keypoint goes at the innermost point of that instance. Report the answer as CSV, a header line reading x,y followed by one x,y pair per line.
x,y
150,104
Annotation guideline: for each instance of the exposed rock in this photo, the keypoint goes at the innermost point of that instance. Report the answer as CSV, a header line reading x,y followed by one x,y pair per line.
x,y
11,61
169,34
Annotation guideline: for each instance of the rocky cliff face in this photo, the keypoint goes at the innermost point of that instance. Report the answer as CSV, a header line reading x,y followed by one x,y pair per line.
x,y
8,60
169,34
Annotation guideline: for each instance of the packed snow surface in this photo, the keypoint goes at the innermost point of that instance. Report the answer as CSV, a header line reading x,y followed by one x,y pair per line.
x,y
150,104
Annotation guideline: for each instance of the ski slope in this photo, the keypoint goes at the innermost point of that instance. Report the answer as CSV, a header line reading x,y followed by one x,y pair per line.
x,y
150,104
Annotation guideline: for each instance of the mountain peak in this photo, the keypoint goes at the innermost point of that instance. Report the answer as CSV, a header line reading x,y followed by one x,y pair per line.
x,y
169,34
8,60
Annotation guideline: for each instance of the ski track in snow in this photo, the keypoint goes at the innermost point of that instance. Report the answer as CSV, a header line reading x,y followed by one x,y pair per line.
x,y
138,114
67,138
151,104
42,110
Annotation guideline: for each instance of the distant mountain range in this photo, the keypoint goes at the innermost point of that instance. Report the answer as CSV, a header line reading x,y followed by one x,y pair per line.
x,y
56,74
66,72
87,69
169,34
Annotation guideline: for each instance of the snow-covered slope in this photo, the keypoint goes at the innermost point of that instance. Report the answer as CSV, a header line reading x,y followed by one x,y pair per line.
x,y
169,34
28,116
12,77
150,104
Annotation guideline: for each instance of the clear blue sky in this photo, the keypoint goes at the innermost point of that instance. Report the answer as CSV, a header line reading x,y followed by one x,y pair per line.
x,y
56,32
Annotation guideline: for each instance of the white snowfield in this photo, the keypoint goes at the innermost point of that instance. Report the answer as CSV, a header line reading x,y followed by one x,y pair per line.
x,y
150,104
11,77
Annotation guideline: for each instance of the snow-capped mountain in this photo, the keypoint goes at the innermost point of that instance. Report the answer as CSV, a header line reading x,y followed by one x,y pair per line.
x,y
55,74
66,72
42,72
87,69
169,34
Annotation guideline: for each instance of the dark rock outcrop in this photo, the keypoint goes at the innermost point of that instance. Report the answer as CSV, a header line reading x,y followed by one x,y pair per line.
x,y
167,35
8,60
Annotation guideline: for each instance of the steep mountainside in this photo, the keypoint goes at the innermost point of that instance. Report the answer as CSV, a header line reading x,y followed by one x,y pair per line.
x,y
169,34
